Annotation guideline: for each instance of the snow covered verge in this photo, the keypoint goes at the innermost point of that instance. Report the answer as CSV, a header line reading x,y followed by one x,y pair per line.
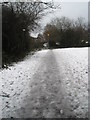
x,y
15,82
73,67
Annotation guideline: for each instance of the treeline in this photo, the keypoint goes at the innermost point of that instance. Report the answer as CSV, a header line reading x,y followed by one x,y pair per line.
x,y
64,32
18,20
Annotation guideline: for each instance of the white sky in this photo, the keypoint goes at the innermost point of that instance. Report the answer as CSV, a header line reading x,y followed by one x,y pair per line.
x,y
69,9
72,10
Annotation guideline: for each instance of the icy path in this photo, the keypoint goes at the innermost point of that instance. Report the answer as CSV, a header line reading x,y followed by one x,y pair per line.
x,y
51,83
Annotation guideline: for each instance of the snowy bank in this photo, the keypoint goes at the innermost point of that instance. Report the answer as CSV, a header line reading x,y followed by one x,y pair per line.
x,y
15,82
73,66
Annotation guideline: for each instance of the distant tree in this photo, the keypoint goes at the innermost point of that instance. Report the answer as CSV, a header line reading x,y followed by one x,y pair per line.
x,y
81,30
51,35
67,32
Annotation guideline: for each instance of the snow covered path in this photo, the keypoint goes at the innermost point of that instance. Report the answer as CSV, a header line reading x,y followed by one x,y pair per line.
x,y
49,84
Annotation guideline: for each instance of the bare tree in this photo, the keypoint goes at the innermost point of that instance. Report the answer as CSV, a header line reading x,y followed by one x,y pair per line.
x,y
70,33
19,19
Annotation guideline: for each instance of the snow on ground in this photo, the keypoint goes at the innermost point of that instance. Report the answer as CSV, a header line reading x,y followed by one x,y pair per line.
x,y
16,80
73,67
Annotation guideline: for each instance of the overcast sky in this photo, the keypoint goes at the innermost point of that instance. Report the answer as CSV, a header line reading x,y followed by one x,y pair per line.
x,y
72,10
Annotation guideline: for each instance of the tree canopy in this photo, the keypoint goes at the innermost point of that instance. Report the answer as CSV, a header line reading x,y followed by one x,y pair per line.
x,y
67,32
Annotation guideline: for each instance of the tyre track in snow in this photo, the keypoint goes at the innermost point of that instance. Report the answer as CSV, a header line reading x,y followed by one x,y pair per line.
x,y
47,96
